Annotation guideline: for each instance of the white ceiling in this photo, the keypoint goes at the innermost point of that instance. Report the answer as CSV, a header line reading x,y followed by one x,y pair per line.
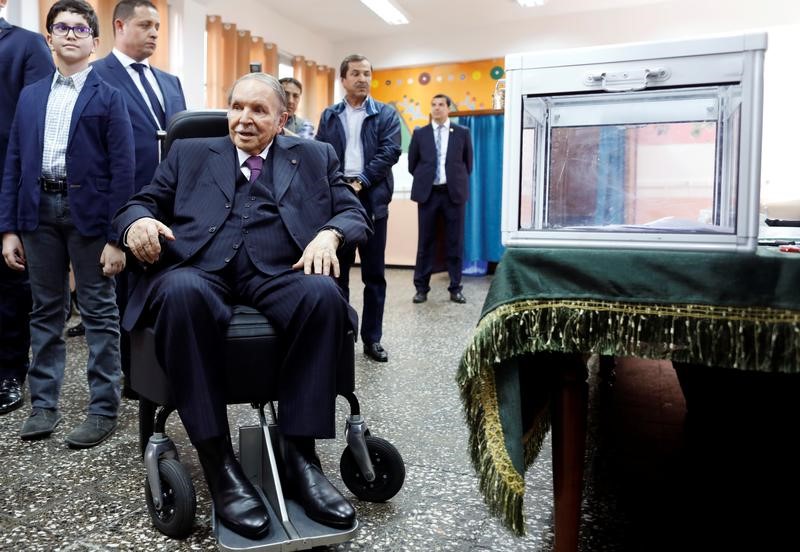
x,y
344,20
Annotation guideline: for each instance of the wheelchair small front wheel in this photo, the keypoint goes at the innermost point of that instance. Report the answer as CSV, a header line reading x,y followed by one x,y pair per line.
x,y
390,471
175,517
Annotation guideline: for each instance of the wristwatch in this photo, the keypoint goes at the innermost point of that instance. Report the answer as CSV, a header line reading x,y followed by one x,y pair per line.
x,y
339,234
354,180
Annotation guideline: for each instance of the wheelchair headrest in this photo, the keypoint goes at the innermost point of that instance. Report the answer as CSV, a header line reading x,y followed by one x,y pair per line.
x,y
196,123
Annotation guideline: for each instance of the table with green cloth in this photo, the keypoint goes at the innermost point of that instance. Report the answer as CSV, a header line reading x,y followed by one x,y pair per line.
x,y
737,310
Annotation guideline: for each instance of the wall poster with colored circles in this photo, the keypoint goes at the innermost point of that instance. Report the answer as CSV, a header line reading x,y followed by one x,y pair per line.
x,y
409,90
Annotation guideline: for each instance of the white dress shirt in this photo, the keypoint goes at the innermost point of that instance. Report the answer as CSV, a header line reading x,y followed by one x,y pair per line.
x,y
64,93
126,62
353,119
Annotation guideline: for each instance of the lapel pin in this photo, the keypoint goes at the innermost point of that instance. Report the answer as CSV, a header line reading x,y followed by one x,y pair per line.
x,y
293,161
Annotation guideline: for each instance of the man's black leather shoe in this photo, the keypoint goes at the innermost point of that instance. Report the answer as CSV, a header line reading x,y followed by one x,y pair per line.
x,y
306,483
420,297
10,395
376,352
76,330
236,501
457,297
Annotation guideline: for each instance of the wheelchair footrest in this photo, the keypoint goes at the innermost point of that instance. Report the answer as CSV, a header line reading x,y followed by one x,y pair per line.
x,y
297,531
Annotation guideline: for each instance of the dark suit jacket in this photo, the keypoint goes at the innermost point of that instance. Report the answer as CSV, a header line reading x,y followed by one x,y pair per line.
x,y
458,163
144,126
192,190
24,59
99,159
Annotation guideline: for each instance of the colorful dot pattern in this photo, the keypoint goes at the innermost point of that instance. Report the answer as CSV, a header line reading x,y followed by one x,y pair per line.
x,y
470,86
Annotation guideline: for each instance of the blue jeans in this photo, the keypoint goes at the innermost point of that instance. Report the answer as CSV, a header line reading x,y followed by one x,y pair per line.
x,y
49,249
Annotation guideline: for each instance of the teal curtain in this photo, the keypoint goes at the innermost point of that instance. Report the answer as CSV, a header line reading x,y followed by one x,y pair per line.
x,y
482,224
611,176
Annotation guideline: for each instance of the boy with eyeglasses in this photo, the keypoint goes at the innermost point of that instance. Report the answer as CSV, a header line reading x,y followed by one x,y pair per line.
x,y
70,166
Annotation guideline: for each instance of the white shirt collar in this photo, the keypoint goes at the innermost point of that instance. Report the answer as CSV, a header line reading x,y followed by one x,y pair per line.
x,y
350,107
78,79
244,156
445,124
126,60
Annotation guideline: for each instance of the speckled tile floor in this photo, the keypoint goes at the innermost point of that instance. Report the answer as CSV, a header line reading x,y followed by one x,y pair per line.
x,y
54,498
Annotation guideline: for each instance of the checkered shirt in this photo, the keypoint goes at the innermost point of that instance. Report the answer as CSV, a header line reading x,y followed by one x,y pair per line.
x,y
60,104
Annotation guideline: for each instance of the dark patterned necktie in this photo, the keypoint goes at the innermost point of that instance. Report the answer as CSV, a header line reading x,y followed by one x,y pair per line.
x,y
151,95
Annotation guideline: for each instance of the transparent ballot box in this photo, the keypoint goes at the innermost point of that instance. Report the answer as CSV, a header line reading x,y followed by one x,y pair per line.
x,y
652,145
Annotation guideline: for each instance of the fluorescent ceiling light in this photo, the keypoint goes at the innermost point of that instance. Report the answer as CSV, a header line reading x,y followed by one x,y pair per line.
x,y
386,11
531,3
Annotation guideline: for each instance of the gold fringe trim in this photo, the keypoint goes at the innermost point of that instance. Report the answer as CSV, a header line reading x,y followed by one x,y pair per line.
x,y
753,338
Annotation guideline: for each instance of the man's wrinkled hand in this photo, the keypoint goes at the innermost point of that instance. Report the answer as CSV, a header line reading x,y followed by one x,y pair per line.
x,y
319,256
143,239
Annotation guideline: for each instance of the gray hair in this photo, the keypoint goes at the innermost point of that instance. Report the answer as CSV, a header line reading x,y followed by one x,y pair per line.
x,y
269,80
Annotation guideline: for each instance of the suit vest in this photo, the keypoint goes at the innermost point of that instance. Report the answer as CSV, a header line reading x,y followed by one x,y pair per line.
x,y
253,225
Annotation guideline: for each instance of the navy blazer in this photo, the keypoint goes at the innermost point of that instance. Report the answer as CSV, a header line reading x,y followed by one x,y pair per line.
x,y
192,190
24,59
144,126
99,157
457,164
380,139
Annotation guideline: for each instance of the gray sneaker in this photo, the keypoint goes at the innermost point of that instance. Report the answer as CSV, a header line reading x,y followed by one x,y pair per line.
x,y
94,430
40,424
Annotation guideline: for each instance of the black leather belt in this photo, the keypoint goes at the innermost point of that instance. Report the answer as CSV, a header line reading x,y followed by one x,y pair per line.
x,y
53,186
440,187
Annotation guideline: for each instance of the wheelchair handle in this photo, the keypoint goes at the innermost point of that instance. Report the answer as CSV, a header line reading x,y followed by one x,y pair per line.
x,y
161,138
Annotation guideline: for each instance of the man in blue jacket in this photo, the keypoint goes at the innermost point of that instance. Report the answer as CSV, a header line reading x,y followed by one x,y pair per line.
x,y
24,59
366,136
153,97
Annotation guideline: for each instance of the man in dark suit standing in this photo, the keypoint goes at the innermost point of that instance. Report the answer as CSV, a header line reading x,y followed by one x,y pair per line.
x,y
257,221
153,97
440,159
366,136
24,59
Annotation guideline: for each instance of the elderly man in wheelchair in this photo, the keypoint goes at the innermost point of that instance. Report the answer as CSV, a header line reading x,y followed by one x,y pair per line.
x,y
253,218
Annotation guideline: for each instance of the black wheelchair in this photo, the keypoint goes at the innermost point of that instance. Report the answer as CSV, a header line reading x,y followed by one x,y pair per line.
x,y
371,468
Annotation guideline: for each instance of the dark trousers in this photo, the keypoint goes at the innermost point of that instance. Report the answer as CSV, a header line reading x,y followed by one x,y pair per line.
x,y
191,310
372,255
439,205
15,336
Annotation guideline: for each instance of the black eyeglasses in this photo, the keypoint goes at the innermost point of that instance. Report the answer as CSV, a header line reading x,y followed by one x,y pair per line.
x,y
80,31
